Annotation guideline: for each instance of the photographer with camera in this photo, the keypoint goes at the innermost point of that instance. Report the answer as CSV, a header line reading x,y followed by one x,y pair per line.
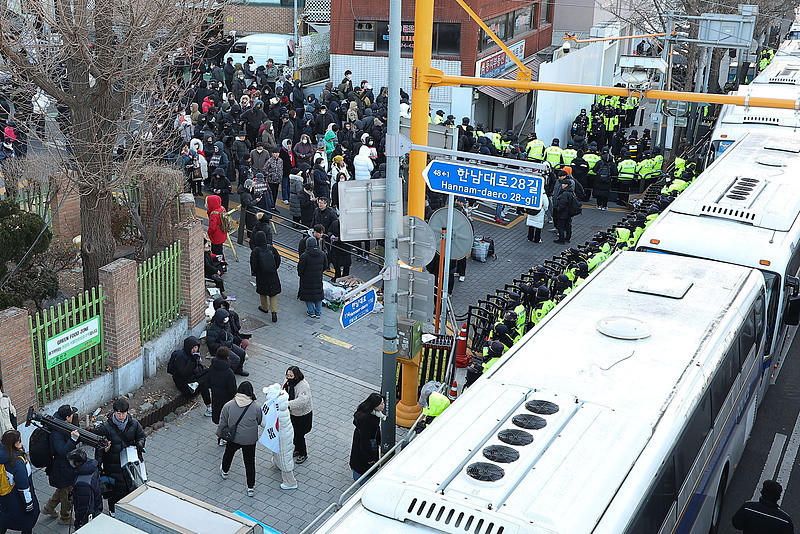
x,y
60,473
122,431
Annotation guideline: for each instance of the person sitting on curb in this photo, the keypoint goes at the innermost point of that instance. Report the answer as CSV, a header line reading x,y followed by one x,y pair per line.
x,y
188,372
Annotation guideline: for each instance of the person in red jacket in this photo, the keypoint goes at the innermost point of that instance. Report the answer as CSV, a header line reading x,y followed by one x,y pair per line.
x,y
215,233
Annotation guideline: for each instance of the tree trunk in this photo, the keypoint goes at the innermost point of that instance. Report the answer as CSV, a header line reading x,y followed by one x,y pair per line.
x,y
97,241
713,74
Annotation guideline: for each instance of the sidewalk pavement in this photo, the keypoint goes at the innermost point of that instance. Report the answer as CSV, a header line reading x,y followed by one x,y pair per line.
x,y
342,367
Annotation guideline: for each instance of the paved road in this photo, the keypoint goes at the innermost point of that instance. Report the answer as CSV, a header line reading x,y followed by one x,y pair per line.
x,y
342,366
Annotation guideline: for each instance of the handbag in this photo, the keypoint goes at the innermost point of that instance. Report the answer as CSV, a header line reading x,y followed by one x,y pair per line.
x,y
229,432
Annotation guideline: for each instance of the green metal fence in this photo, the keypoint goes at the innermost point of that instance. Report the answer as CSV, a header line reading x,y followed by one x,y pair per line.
x,y
159,291
68,347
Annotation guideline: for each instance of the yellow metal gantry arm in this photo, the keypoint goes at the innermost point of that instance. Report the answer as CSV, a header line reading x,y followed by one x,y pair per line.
x,y
569,37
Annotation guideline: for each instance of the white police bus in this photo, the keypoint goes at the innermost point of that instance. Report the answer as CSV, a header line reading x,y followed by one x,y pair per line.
x,y
781,80
745,209
625,411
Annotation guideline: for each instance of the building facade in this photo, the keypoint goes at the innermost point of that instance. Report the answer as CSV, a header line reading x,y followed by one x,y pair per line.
x,y
360,43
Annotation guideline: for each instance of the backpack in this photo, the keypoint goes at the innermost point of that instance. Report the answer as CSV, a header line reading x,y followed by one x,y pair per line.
x,y
6,481
490,253
39,450
225,221
574,205
171,364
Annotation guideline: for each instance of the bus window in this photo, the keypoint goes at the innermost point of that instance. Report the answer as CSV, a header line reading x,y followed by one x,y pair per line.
x,y
691,441
772,283
653,512
717,148
759,315
747,337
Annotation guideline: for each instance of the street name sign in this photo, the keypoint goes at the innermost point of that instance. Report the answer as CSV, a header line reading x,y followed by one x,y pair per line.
x,y
506,186
358,308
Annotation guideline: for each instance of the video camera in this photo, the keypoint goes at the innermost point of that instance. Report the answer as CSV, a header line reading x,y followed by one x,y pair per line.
x,y
50,423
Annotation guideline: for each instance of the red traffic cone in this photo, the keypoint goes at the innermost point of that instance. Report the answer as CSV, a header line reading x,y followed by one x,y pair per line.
x,y
453,391
462,360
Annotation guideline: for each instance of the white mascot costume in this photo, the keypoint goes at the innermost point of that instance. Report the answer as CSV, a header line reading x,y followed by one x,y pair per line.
x,y
284,459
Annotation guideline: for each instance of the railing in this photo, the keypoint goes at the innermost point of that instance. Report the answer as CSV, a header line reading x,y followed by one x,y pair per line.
x,y
67,342
159,291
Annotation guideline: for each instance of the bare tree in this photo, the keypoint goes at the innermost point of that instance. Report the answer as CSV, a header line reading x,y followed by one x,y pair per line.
x,y
100,60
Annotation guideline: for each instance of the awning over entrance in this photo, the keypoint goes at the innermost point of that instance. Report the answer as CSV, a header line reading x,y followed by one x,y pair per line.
x,y
506,95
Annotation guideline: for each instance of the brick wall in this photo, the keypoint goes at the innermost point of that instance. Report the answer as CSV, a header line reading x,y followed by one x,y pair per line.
x,y
121,312
246,19
193,288
16,359
67,222
343,13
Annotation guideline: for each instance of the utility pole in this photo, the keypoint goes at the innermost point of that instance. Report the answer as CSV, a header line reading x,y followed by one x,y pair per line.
x,y
393,206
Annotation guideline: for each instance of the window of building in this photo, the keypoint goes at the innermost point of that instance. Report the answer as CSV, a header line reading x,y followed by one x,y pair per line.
x,y
446,39
499,25
548,11
523,21
374,36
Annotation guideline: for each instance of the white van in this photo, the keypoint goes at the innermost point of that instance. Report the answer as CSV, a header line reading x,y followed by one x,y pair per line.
x,y
263,46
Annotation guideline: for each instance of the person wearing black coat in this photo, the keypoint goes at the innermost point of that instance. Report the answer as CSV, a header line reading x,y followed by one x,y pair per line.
x,y
222,383
122,431
60,474
580,172
561,210
86,496
764,516
365,450
605,172
340,251
19,508
322,182
220,185
264,263
188,368
307,204
324,214
248,202
219,334
264,225
310,269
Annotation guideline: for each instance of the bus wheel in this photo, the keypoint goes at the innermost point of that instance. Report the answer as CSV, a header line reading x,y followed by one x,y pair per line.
x,y
718,502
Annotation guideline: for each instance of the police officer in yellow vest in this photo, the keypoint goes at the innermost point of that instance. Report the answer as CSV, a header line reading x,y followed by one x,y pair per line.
x,y
552,154
497,139
591,157
644,169
568,154
439,117
626,170
535,148
658,162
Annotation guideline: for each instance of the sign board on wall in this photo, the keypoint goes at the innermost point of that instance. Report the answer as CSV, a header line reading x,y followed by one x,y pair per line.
x,y
63,346
491,66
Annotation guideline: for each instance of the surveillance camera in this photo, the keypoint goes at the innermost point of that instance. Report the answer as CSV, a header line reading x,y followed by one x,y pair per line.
x,y
566,47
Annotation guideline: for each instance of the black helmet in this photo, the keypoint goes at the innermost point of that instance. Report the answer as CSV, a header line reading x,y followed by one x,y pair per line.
x,y
496,348
542,294
500,329
513,297
582,269
510,317
561,282
555,141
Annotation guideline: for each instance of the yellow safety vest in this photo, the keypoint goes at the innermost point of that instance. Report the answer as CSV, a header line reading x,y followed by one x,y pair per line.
x,y
552,155
568,154
535,149
627,170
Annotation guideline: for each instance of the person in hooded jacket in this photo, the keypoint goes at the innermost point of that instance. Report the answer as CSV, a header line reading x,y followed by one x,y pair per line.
x,y
561,210
86,496
365,450
310,269
219,334
264,263
307,204
222,382
363,163
215,233
340,252
122,431
300,410
322,183
264,225
60,473
188,368
249,416
303,150
19,509
221,186
605,172
248,202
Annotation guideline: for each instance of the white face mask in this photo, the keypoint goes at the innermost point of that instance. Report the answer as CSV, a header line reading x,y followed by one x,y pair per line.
x,y
305,141
259,150
225,320
323,112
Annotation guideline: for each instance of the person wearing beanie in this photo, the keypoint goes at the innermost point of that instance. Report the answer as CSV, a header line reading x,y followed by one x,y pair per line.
x,y
764,516
310,268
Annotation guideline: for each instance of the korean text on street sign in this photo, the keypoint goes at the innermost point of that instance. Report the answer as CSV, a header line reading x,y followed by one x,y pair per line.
x,y
358,308
516,188
63,346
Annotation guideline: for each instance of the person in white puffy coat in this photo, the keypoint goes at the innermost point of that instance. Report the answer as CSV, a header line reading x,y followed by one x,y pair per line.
x,y
284,459
363,164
